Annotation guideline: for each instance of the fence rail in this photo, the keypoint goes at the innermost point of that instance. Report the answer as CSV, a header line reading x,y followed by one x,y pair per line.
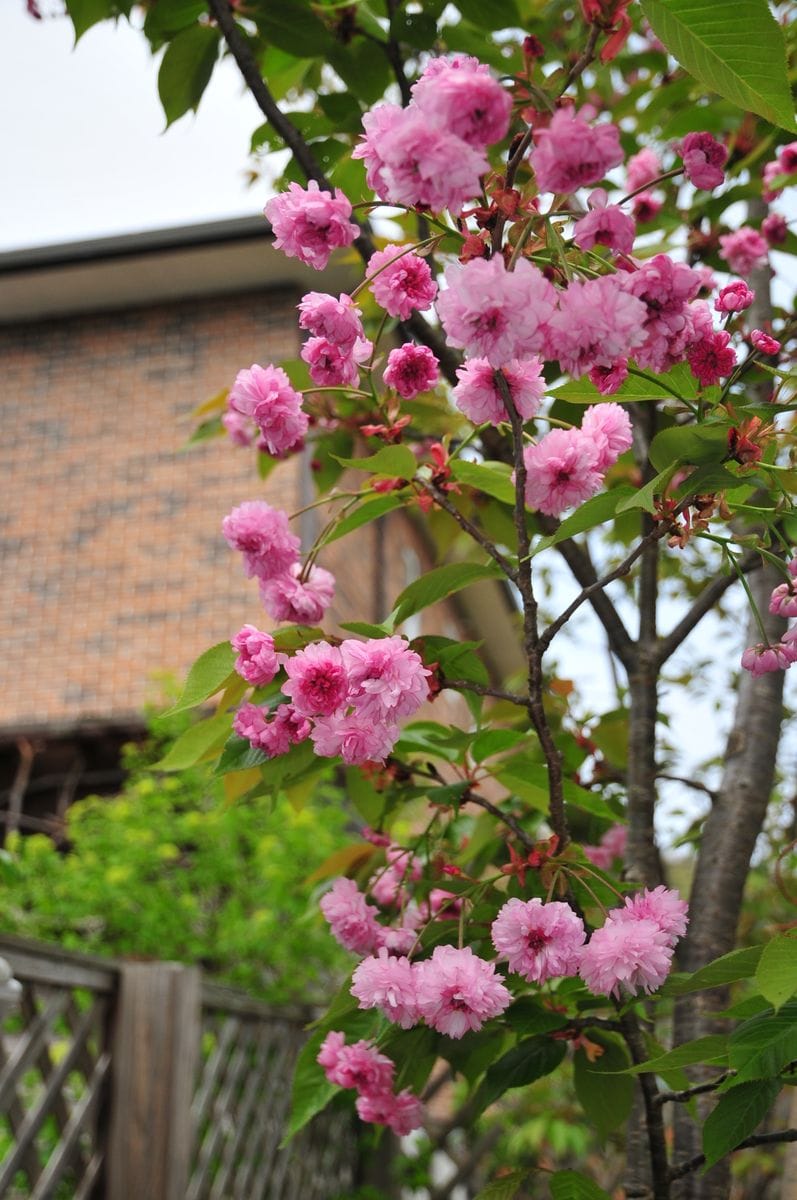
x,y
141,1080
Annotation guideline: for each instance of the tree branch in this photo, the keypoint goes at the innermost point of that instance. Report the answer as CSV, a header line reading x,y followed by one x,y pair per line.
x,y
582,62
711,594
757,1139
481,689
472,531
697,1090
654,1123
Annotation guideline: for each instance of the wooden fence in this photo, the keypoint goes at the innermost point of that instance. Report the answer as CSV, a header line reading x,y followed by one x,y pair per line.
x,y
141,1081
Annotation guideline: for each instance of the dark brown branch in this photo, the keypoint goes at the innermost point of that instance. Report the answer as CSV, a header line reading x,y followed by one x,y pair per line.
x,y
757,1139
471,797
481,689
531,638
697,1090
690,783
654,1123
711,594
472,531
583,61
393,55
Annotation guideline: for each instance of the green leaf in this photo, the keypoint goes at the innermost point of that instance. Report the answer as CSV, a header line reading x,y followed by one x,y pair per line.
x,y
570,1185
185,70
644,497
417,29
735,1117
168,16
239,755
505,1188
369,511
738,964
210,674
436,585
605,1097
776,974
696,444
195,742
528,1016
390,460
364,69
493,741
593,512
85,13
700,1050
490,14
474,1054
762,1046
311,1091
292,26
678,382
734,49
531,1059
491,478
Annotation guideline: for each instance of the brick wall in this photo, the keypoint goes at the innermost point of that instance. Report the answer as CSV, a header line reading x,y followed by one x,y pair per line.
x,y
113,567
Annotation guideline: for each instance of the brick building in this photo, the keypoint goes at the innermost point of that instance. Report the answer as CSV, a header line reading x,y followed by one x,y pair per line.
x,y
113,564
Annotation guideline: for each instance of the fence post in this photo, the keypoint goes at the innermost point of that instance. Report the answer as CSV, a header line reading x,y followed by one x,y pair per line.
x,y
157,1029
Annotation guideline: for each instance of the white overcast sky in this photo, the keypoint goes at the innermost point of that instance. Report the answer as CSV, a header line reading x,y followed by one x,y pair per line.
x,y
82,146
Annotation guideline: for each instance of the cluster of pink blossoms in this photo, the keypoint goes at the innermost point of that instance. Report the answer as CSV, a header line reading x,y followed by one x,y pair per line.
x,y
264,397
777,656
567,466
361,1066
348,699
432,153
611,847
784,164
271,555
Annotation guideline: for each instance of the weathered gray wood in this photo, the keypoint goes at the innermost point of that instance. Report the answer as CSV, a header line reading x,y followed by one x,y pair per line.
x,y
28,1047
217,997
79,1119
267,1126
35,963
156,1043
16,1116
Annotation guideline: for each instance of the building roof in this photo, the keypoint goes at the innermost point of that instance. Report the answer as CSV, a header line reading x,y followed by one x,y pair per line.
x,y
107,273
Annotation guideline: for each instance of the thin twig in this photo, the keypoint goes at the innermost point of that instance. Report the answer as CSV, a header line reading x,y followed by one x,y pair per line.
x,y
757,1139
472,530
697,1090
691,783
481,689
582,62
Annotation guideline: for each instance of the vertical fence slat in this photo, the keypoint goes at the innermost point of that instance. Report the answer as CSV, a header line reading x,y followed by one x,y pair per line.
x,y
156,1041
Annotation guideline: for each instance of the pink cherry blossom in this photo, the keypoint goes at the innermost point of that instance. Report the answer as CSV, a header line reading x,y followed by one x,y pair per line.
x,y
605,225
787,157
608,427
351,918
642,168
261,534
443,905
662,905
571,153
355,738
761,658
339,321
703,157
562,471
734,297
477,395
645,207
288,597
401,280
457,991
411,370
330,366
783,601
771,172
764,343
266,396
496,314
309,223
286,728
666,289
611,846
398,941
358,1066
461,94
250,722
402,1113
539,941
387,887
257,660
386,678
389,984
775,229
743,250
608,380
598,322
239,428
624,956
788,644
317,682
712,358
414,162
